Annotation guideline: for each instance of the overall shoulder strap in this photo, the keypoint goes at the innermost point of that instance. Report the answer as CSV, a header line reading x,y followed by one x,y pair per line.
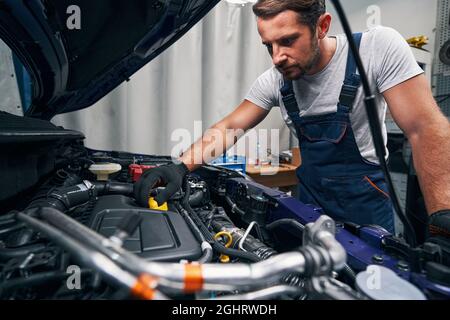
x,y
352,80
288,97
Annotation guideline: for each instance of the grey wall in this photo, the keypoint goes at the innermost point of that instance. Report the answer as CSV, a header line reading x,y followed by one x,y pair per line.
x,y
226,28
409,17
202,77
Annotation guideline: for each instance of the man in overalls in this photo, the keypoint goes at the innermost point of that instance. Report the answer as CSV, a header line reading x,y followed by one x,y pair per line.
x,y
315,82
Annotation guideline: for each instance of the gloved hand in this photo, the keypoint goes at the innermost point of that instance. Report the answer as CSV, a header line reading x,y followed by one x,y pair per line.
x,y
439,223
171,176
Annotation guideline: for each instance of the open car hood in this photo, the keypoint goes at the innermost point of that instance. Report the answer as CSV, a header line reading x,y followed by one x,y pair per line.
x,y
77,51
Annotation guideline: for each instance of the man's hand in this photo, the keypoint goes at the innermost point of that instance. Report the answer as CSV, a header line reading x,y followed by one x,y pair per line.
x,y
171,176
439,224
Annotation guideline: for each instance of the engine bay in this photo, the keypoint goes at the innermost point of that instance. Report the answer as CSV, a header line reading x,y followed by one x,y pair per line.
x,y
222,236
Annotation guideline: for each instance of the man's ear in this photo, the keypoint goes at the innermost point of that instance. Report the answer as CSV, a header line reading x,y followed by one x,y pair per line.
x,y
323,25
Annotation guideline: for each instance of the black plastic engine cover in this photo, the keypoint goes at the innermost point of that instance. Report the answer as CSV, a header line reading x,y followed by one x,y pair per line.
x,y
161,236
30,150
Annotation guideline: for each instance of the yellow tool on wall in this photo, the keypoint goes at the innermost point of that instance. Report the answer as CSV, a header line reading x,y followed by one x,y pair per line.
x,y
418,42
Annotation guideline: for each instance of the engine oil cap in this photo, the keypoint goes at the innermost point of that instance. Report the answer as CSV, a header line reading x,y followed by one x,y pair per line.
x,y
152,204
381,283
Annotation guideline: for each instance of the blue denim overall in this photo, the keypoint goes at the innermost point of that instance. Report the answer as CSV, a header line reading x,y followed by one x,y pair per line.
x,y
333,174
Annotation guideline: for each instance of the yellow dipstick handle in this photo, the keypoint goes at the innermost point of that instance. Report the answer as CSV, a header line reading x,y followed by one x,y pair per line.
x,y
152,204
224,258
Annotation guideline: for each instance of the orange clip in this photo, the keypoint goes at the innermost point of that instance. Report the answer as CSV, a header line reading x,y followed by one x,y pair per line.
x,y
144,287
193,278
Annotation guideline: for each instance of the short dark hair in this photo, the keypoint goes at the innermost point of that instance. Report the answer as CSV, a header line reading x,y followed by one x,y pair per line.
x,y
309,11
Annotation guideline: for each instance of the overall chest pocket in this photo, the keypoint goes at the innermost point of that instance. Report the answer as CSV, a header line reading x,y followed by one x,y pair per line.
x,y
330,131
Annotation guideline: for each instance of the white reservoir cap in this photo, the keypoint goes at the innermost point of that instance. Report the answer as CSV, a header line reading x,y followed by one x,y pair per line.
x,y
381,283
103,170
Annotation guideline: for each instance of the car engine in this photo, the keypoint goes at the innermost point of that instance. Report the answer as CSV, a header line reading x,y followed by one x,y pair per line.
x,y
221,237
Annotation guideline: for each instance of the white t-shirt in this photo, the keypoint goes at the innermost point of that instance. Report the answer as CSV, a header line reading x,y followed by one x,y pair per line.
x,y
388,61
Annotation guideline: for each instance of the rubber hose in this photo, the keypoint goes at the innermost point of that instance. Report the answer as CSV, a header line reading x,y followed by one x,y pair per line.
x,y
108,187
291,222
215,244
8,253
234,206
38,279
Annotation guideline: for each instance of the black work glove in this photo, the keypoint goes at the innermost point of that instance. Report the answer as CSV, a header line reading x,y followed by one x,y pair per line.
x,y
171,176
439,224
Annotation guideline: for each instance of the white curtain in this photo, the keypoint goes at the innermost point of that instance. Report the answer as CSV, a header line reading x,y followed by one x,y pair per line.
x,y
202,77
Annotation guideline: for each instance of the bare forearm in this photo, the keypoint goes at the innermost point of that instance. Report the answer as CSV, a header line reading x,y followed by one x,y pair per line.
x,y
214,142
431,154
224,134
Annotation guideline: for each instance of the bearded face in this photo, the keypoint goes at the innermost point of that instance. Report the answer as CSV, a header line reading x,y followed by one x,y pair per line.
x,y
293,46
